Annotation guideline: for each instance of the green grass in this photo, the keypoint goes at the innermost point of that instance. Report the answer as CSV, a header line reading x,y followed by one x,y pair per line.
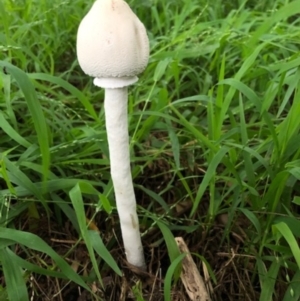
x,y
214,126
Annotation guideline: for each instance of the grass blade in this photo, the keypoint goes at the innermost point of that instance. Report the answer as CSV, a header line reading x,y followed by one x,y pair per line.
x,y
36,111
290,239
68,87
35,243
169,276
19,178
170,241
268,281
102,251
293,291
14,277
284,12
77,201
10,131
208,176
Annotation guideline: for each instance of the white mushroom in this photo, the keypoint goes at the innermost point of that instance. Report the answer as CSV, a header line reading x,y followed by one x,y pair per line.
x,y
113,47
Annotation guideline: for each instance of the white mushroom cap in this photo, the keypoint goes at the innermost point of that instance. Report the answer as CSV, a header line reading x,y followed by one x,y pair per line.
x,y
112,43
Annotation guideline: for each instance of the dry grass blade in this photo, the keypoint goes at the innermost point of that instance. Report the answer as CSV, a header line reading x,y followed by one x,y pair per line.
x,y
190,276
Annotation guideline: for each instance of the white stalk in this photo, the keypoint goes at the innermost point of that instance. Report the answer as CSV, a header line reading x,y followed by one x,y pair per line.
x,y
115,106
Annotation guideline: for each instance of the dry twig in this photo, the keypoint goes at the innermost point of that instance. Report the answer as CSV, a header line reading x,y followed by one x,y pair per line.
x,y
190,276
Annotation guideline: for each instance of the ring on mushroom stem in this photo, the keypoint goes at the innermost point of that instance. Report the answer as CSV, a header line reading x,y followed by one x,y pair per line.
x,y
113,47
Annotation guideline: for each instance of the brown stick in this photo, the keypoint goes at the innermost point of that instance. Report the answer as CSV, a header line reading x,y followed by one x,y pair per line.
x,y
190,276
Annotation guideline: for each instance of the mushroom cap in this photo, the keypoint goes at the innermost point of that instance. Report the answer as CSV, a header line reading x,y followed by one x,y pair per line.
x,y
112,43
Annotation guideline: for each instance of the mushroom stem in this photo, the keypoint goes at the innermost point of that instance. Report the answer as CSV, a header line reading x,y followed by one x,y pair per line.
x,y
115,106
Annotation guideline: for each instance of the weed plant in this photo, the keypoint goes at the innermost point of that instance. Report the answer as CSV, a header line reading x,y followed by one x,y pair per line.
x,y
215,141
